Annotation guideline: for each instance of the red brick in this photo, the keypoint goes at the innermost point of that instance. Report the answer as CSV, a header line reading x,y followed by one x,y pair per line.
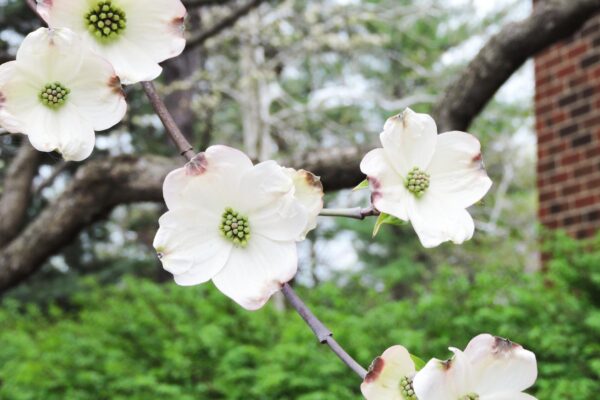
x,y
571,220
593,151
581,110
584,201
594,181
558,148
593,121
566,71
560,177
587,92
585,170
542,79
569,190
590,60
544,197
578,50
546,138
578,80
559,116
570,158
543,109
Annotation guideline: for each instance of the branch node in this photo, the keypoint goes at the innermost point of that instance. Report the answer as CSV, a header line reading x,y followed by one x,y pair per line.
x,y
324,335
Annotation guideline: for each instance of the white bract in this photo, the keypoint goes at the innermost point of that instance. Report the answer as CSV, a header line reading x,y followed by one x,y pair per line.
x,y
309,193
390,376
58,92
232,222
134,35
490,368
426,178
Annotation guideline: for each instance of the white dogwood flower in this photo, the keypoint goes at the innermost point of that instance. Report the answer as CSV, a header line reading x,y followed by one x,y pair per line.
x,y
390,376
309,192
134,35
58,92
232,222
426,178
490,368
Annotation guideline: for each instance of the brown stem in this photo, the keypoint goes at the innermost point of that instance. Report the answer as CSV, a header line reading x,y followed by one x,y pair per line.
x,y
184,146
354,213
324,335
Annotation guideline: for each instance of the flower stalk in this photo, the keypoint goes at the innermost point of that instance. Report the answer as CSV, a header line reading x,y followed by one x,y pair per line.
x,y
183,145
354,213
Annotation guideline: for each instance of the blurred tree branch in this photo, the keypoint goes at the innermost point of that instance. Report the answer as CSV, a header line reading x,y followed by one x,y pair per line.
x,y
16,191
204,3
97,187
504,53
225,23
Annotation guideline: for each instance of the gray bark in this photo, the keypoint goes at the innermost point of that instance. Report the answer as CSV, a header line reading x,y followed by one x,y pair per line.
x,y
504,53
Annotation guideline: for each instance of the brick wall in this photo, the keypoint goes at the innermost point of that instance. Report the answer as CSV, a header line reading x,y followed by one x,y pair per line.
x,y
567,109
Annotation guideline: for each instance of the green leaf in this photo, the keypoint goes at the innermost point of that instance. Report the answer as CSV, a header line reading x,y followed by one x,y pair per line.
x,y
386,219
419,363
363,185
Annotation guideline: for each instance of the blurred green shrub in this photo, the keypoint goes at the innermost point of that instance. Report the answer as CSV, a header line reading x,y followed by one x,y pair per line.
x,y
141,340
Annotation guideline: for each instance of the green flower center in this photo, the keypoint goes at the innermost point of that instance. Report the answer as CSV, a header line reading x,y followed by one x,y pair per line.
x,y
470,396
417,181
406,388
105,21
54,95
235,227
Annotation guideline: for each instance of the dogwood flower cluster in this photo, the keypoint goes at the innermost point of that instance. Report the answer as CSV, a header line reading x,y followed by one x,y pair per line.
x,y
236,223
65,83
490,368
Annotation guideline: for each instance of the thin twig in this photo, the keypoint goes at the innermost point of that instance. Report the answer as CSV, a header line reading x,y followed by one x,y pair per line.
x,y
323,334
223,24
204,3
184,146
355,213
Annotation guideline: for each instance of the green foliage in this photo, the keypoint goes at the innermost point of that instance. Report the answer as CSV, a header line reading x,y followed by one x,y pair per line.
x,y
142,340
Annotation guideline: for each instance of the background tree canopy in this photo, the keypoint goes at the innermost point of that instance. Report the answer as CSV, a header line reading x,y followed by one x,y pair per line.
x,y
94,316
